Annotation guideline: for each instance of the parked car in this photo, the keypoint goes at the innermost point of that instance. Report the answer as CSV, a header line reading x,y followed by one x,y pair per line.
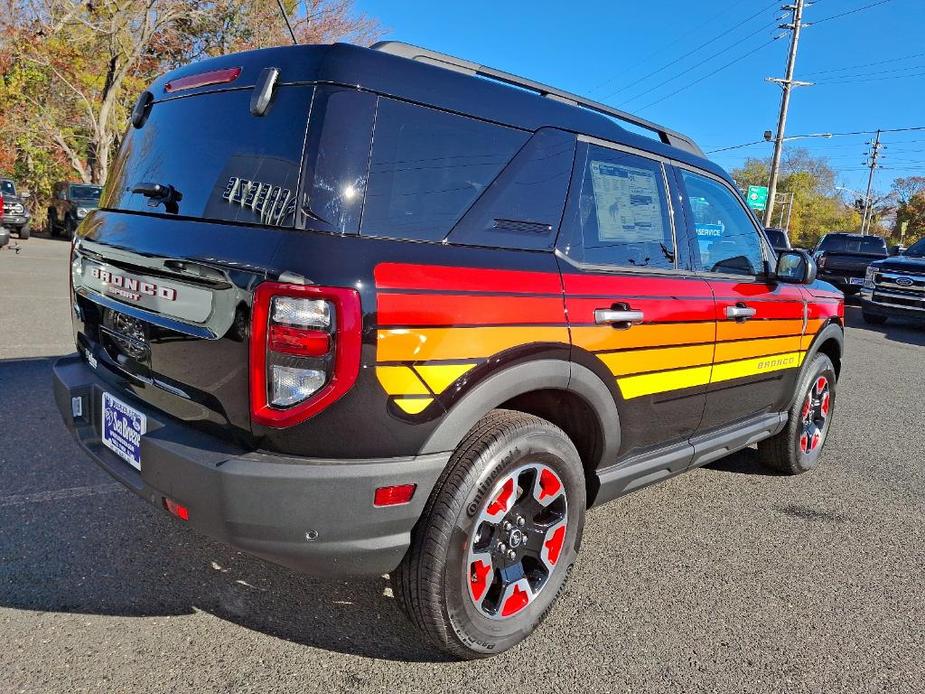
x,y
843,258
895,287
778,239
70,203
15,213
425,338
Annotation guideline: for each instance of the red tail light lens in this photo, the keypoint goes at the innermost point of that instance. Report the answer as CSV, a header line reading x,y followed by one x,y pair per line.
x,y
394,496
304,350
202,79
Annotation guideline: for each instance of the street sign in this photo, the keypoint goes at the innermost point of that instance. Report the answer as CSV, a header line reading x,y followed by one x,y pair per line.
x,y
757,197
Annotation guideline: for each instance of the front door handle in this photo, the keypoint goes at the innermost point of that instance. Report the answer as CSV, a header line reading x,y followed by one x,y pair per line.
x,y
740,312
620,318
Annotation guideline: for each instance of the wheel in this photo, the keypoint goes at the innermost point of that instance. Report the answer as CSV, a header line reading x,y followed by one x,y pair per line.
x,y
70,227
796,449
497,538
873,318
24,232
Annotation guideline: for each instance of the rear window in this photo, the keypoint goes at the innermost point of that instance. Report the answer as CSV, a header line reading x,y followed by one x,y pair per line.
x,y
226,163
427,167
7,188
85,192
854,244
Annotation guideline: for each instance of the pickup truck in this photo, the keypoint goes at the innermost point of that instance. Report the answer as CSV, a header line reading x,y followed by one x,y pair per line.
x,y
895,287
842,259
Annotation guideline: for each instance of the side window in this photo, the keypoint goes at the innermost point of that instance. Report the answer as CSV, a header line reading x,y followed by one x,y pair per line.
x,y
427,167
726,239
522,208
621,216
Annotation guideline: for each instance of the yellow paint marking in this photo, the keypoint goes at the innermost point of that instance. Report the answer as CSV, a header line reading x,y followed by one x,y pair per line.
x,y
440,376
756,367
663,381
413,405
400,380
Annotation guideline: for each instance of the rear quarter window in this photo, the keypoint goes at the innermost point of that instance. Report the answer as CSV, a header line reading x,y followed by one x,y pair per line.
x,y
226,163
427,167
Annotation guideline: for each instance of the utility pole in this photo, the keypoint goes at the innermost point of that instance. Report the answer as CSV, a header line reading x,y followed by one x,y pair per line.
x,y
873,155
787,83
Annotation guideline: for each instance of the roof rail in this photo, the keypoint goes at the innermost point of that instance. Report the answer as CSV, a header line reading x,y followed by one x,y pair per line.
x,y
449,62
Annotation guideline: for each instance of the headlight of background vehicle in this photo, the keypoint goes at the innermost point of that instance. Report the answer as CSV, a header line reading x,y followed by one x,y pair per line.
x,y
82,212
869,277
17,209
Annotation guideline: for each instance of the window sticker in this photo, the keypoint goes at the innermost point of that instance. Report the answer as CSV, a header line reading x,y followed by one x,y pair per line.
x,y
627,203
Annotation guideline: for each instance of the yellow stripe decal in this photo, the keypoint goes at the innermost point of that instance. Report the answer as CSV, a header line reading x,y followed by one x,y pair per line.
x,y
400,380
440,376
649,384
413,405
756,367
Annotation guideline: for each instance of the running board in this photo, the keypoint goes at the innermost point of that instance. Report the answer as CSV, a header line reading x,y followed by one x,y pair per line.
x,y
643,470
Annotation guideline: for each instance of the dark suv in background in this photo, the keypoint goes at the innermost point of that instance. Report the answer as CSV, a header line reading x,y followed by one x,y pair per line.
x,y
15,214
366,311
843,258
895,287
70,203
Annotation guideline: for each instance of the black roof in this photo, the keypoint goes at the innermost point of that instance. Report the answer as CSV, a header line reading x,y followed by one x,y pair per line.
x,y
414,80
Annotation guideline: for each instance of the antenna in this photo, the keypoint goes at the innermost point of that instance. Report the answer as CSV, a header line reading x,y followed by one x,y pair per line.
x,y
282,11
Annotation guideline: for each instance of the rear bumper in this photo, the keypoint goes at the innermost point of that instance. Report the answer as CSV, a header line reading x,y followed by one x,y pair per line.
x,y
843,282
264,504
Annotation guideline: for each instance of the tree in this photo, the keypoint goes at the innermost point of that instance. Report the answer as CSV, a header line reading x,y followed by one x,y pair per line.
x,y
72,68
817,206
910,208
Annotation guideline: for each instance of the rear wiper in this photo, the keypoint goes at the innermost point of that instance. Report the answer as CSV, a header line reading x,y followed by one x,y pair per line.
x,y
158,193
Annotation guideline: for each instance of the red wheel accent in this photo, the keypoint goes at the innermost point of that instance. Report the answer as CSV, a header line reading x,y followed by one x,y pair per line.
x,y
824,407
821,383
554,544
516,602
479,582
817,437
499,505
549,484
804,443
806,407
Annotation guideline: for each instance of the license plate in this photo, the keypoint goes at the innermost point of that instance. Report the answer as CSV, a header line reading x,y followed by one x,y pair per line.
x,y
857,280
123,427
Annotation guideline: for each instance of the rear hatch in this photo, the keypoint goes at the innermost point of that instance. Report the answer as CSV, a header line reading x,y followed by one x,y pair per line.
x,y
196,205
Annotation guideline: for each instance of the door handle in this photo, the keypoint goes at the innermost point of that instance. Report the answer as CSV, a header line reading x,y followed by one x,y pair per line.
x,y
620,318
740,312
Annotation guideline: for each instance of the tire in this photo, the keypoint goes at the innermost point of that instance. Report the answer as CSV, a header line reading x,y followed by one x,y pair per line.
x,y
51,222
70,227
797,448
24,232
500,471
873,318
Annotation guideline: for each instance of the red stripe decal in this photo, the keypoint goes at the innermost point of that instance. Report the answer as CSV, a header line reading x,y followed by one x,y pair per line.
x,y
655,310
779,310
461,279
627,285
456,309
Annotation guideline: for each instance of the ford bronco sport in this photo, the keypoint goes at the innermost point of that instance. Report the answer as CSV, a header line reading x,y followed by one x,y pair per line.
x,y
359,311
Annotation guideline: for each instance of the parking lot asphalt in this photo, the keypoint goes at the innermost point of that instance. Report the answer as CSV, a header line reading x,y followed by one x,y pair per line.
x,y
729,579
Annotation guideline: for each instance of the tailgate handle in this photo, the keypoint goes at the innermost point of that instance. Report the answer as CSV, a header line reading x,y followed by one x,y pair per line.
x,y
619,318
740,312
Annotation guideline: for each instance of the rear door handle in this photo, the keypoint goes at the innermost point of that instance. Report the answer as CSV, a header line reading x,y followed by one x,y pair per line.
x,y
627,318
740,312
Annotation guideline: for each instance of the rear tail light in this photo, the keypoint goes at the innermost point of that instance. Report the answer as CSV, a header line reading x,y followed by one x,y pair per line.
x,y
178,510
203,79
821,262
304,350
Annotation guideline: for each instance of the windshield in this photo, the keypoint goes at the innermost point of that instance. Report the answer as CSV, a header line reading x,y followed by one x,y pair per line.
x,y
917,249
85,192
854,244
7,188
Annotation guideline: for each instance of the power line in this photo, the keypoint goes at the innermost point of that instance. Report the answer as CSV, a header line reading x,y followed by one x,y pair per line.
x,y
691,52
872,79
702,62
708,75
845,14
854,67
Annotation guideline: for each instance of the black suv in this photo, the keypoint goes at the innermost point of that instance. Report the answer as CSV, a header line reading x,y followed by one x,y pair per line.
x,y
15,213
70,203
385,310
896,286
843,258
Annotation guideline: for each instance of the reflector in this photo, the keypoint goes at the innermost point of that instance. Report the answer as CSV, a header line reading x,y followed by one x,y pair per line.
x,y
394,495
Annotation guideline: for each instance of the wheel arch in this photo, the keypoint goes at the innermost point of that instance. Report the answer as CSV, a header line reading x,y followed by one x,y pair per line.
x,y
567,394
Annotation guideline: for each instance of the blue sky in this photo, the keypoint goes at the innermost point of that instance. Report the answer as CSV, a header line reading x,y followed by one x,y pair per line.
x,y
869,66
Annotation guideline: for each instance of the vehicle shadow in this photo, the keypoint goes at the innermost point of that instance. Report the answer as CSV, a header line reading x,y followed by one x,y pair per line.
x,y
895,329
73,541
744,462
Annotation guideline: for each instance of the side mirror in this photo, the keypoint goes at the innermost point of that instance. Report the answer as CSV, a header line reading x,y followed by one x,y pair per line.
x,y
796,267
